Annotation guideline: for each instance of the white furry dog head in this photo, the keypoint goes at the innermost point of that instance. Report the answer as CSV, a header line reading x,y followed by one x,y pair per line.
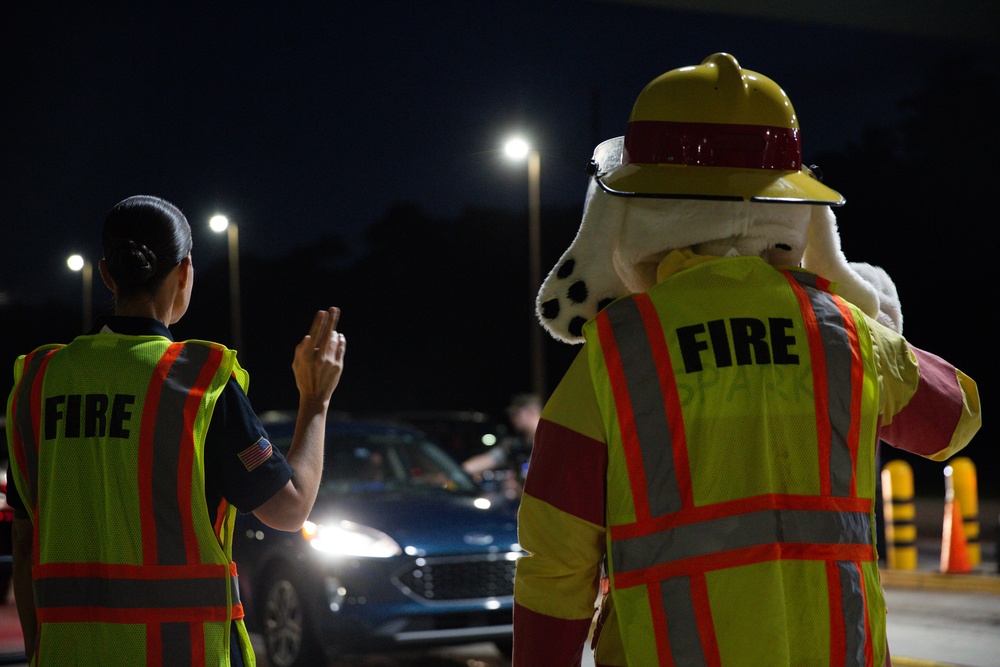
x,y
622,239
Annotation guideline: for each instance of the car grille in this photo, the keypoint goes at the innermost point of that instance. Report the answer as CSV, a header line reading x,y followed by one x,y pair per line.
x,y
459,578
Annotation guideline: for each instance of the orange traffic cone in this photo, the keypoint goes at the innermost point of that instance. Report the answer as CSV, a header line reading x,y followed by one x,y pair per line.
x,y
954,549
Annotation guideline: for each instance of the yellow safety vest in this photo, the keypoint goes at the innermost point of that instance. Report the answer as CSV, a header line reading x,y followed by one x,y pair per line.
x,y
107,452
741,408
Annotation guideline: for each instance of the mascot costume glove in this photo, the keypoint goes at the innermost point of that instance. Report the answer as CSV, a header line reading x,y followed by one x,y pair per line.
x,y
681,178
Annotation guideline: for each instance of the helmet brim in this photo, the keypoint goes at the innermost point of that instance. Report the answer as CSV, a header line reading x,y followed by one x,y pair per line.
x,y
718,183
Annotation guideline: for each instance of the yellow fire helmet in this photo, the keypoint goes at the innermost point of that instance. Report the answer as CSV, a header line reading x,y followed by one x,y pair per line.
x,y
714,131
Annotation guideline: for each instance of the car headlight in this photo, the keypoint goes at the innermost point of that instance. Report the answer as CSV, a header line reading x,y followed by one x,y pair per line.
x,y
346,538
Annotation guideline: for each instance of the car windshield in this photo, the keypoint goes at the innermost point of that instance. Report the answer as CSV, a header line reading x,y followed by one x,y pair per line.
x,y
376,462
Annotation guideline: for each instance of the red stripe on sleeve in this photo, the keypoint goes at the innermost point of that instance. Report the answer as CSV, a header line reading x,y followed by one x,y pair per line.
x,y
926,424
543,641
568,471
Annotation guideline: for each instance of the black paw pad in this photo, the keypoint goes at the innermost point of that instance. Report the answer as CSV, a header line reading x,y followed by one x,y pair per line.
x,y
577,292
550,309
566,270
576,326
604,303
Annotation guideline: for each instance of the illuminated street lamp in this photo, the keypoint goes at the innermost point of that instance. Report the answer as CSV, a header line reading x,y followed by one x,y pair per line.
x,y
519,149
78,263
220,223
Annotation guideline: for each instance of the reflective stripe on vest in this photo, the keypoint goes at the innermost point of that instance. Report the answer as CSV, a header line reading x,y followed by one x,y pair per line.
x,y
26,422
172,592
672,543
834,350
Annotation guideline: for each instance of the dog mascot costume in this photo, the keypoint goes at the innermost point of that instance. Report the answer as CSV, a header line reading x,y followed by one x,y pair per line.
x,y
707,464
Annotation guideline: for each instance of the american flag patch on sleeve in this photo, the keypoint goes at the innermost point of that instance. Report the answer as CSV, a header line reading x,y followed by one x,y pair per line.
x,y
256,454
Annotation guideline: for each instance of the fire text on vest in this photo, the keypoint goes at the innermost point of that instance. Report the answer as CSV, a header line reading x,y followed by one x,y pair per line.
x,y
88,415
749,340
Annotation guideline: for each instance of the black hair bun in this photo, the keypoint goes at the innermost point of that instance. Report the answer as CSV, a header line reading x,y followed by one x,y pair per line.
x,y
132,261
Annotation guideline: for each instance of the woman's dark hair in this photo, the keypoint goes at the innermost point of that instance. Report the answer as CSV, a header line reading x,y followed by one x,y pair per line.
x,y
144,238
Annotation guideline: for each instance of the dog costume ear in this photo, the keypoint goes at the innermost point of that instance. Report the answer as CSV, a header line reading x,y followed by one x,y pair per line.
x,y
584,279
866,286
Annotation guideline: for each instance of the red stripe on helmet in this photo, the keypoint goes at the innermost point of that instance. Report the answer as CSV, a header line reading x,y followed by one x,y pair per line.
x,y
712,145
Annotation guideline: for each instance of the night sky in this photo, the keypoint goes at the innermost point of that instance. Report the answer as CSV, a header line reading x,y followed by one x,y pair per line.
x,y
296,119
304,119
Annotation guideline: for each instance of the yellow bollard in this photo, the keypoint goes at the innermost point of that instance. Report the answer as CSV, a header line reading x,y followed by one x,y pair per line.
x,y
900,515
967,495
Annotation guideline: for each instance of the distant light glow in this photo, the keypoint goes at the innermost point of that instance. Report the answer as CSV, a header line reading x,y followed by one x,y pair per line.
x,y
517,148
75,262
218,223
482,503
489,439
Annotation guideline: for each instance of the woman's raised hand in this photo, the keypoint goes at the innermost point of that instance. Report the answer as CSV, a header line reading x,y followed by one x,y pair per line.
x,y
319,358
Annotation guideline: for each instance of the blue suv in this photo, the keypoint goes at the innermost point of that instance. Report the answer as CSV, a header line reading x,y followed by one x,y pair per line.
x,y
402,550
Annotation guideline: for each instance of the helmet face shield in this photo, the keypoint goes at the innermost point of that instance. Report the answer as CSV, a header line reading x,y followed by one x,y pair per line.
x,y
607,156
714,131
718,183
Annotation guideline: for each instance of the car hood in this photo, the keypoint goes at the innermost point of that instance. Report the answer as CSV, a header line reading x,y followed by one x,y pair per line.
x,y
432,522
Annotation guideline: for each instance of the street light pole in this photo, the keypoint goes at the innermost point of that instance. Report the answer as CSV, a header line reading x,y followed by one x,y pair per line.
x,y
234,286
219,223
78,263
535,269
519,149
